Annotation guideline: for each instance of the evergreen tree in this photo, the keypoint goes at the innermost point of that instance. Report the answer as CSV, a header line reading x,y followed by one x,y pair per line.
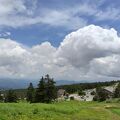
x,y
11,96
117,91
40,91
46,91
30,93
50,89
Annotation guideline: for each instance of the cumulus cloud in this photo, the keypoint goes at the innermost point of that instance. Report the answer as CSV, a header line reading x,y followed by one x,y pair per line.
x,y
81,47
88,53
19,61
107,66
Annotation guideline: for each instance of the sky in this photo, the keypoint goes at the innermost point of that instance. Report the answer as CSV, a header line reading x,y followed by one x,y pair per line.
x,y
68,39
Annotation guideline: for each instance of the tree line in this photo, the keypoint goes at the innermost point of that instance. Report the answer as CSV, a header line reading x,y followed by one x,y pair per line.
x,y
45,92
83,86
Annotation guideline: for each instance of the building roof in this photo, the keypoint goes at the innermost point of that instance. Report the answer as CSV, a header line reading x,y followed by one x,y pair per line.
x,y
61,91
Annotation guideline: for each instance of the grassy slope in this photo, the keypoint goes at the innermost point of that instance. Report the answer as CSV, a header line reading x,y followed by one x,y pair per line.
x,y
60,111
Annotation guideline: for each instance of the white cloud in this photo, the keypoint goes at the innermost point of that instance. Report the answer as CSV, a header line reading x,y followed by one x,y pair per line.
x,y
8,7
15,13
107,66
81,47
87,54
110,13
18,13
89,50
5,34
19,61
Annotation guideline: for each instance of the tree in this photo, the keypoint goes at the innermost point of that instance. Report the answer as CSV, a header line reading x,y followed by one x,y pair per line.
x,y
93,93
50,89
40,91
46,91
11,96
81,92
1,97
101,95
30,93
117,91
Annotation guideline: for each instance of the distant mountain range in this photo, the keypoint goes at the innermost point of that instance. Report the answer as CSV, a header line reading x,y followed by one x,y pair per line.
x,y
69,82
7,83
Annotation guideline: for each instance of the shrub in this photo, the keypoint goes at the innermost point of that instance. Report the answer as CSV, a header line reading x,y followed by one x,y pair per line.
x,y
80,93
11,96
71,98
95,98
35,111
117,92
93,93
101,95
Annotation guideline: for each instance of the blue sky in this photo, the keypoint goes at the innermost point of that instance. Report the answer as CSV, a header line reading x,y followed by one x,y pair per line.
x,y
68,39
37,32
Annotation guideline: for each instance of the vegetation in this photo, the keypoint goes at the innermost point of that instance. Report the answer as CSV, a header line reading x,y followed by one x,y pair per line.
x,y
93,93
117,91
80,93
21,93
30,93
82,86
1,97
72,110
46,91
101,95
11,97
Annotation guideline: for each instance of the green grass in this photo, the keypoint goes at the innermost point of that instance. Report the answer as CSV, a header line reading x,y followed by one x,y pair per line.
x,y
72,110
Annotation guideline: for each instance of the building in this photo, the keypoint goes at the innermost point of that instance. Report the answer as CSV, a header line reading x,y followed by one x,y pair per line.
x,y
61,93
